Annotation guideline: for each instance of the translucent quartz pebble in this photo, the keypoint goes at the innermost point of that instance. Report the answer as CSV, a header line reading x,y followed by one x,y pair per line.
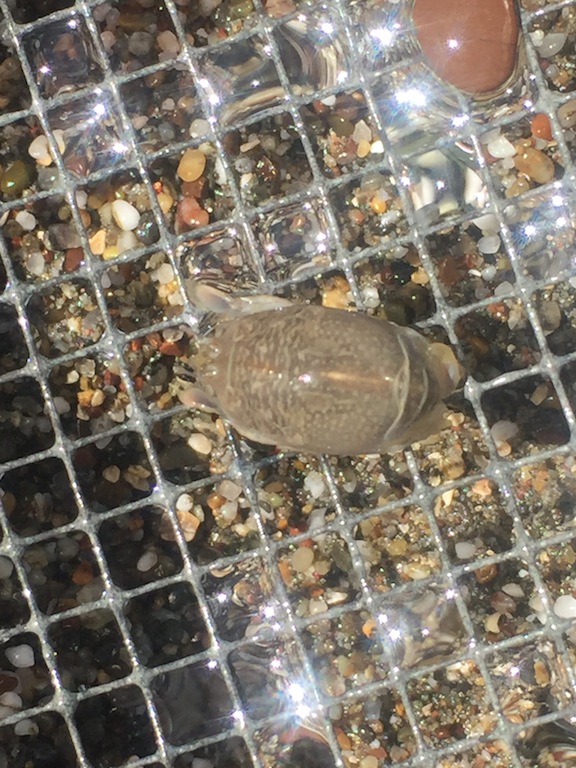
x,y
469,44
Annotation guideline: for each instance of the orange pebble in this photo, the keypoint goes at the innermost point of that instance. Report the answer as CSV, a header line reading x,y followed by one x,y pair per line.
x,y
83,574
540,127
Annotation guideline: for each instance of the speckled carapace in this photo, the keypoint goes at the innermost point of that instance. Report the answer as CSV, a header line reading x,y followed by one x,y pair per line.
x,y
321,380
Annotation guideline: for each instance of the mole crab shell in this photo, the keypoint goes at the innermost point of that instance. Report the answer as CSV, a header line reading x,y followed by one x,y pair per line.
x,y
321,380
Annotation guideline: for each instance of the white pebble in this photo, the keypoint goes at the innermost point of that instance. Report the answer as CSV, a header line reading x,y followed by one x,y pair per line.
x,y
20,656
565,607
314,484
302,558
125,215
200,443
126,240
228,511
501,147
199,127
39,149
147,561
164,274
489,273
552,43
362,132
35,263
81,198
184,503
6,567
26,220
317,518
317,605
10,702
26,727
512,589
503,430
229,490
504,289
465,550
489,244
370,297
487,224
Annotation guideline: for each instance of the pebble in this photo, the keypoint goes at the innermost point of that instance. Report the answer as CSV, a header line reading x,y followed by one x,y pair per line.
x,y
540,127
15,179
229,490
302,559
489,244
314,484
500,147
147,561
140,44
147,229
486,32
97,242
164,274
191,165
514,590
199,127
552,43
125,215
26,220
317,605
111,474
503,430
90,592
168,42
535,164
364,148
26,727
370,297
565,607
200,443
504,289
40,151
126,240
370,761
550,316
10,702
20,656
228,512
189,523
362,132
190,213
165,201
184,503
489,273
6,567
567,114
487,224
465,550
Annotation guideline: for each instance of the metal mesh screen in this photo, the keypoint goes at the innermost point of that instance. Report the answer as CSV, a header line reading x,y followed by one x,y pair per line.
x,y
172,594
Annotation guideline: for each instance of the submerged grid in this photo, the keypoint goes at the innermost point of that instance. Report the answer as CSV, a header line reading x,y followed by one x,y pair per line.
x,y
281,693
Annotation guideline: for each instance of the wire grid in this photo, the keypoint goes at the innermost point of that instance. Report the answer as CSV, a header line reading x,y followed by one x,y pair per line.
x,y
165,493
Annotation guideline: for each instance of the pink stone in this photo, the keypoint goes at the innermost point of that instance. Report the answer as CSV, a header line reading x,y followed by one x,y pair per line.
x,y
471,44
